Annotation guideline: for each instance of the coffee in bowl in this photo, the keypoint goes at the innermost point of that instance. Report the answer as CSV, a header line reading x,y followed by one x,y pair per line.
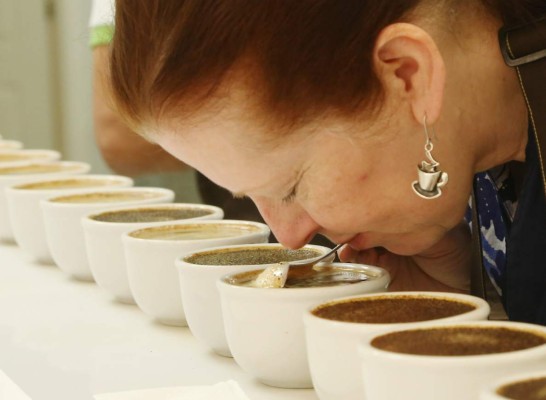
x,y
42,168
449,361
323,274
118,196
264,326
5,157
103,232
157,214
10,144
393,309
84,182
198,272
26,214
12,158
63,221
151,254
195,231
335,328
15,175
530,389
459,341
257,255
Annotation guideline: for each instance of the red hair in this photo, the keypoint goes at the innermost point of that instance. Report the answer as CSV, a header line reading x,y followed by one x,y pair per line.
x,y
307,56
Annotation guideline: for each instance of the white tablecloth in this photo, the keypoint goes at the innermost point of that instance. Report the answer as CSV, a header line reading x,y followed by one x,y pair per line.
x,y
61,339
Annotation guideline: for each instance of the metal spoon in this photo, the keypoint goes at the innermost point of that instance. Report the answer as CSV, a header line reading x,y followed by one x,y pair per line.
x,y
275,276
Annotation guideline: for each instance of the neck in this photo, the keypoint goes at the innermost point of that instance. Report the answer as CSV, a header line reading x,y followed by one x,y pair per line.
x,y
490,105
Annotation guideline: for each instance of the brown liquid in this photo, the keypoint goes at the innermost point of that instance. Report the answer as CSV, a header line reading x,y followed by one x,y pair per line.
x,y
532,389
107,197
321,277
459,341
68,184
150,215
251,256
19,157
389,310
38,169
194,232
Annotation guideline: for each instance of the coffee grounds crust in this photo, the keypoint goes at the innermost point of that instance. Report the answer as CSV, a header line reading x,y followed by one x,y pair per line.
x,y
150,215
251,256
459,341
391,310
532,389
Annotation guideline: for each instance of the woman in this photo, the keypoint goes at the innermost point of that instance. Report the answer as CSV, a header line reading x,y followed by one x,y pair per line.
x,y
319,111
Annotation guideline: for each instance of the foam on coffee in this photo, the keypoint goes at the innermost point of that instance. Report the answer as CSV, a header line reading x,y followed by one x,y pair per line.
x,y
459,341
151,214
531,389
322,275
194,231
250,256
107,197
74,183
8,157
32,169
389,309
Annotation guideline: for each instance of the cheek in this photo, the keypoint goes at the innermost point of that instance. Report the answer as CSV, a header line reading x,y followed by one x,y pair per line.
x,y
343,207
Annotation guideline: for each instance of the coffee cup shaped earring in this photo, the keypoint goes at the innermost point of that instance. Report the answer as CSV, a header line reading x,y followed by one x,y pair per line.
x,y
430,178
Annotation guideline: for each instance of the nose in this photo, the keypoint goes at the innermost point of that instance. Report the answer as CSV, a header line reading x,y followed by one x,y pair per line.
x,y
290,223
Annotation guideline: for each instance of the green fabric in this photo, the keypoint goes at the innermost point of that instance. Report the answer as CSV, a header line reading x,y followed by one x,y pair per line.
x,y
101,35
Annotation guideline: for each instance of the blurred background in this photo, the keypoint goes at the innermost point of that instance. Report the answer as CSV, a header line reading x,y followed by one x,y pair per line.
x,y
46,84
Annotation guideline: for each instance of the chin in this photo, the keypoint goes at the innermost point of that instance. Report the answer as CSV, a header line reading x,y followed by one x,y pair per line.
x,y
411,247
404,250
401,244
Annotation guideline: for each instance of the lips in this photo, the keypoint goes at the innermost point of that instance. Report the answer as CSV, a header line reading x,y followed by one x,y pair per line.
x,y
360,242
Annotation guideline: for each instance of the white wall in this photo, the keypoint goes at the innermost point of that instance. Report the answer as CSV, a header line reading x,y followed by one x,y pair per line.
x,y
74,77
46,85
27,101
74,74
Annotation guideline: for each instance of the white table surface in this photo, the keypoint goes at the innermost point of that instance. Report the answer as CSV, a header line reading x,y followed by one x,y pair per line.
x,y
62,339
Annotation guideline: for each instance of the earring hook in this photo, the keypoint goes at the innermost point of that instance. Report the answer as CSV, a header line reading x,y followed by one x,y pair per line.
x,y
429,146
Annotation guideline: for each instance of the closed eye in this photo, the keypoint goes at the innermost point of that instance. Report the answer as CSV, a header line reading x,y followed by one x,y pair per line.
x,y
289,198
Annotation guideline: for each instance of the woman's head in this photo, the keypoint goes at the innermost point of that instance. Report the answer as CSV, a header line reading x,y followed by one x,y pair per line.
x,y
314,108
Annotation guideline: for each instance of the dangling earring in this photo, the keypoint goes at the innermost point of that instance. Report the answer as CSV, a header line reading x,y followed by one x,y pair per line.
x,y
431,178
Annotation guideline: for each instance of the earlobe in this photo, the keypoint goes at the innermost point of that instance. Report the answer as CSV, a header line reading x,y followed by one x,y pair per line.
x,y
410,66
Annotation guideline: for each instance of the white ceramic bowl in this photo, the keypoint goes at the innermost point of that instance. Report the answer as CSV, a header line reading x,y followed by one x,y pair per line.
x,y
15,158
153,277
10,176
332,345
10,144
490,391
62,221
200,295
264,327
389,375
25,214
105,249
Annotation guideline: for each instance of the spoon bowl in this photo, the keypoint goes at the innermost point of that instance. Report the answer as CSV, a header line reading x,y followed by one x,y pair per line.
x,y
276,275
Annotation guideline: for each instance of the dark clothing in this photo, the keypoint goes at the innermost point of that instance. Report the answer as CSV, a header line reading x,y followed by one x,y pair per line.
x,y
514,237
525,283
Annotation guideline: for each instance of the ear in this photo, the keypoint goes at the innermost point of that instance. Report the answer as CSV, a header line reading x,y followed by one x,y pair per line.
x,y
410,66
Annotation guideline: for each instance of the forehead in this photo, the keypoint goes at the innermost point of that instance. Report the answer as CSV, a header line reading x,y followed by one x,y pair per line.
x,y
232,145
